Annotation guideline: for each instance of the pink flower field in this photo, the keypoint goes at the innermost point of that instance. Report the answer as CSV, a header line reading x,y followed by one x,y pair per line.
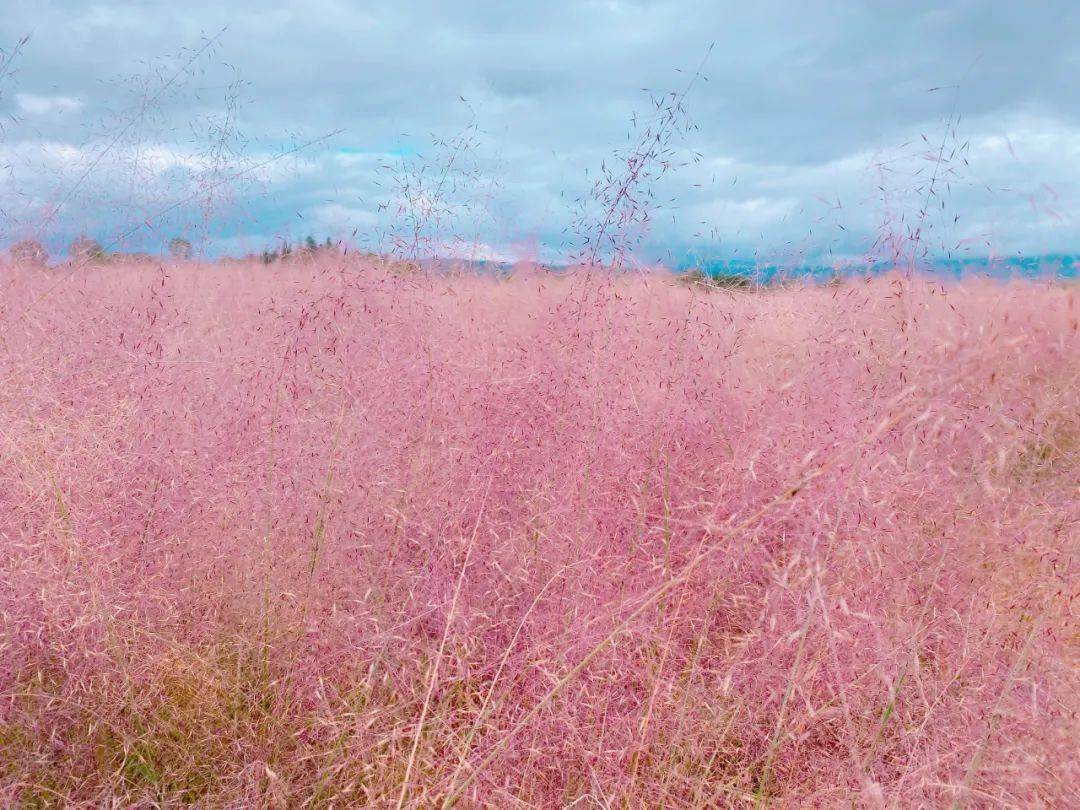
x,y
337,533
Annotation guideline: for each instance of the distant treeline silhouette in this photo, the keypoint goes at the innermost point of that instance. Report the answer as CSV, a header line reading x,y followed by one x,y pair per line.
x,y
85,250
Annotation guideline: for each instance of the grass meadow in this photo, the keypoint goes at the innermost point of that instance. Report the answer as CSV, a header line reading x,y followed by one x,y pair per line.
x,y
331,533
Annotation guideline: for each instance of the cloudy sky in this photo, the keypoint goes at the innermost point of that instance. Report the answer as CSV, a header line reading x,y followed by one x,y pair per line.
x,y
815,132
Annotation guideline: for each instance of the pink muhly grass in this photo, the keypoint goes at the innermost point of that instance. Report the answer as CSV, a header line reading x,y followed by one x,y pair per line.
x,y
342,533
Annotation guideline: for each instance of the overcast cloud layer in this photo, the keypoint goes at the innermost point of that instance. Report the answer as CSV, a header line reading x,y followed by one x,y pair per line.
x,y
817,129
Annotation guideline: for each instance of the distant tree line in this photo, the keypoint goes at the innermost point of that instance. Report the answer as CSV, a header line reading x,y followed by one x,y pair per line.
x,y
86,250
308,247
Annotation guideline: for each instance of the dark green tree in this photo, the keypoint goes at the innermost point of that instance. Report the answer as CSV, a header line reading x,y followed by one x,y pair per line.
x,y
29,252
83,249
180,248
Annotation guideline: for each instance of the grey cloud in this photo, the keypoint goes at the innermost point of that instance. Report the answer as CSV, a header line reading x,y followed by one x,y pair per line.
x,y
795,93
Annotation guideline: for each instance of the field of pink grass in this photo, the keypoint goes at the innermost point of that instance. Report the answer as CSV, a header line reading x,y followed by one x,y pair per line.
x,y
333,534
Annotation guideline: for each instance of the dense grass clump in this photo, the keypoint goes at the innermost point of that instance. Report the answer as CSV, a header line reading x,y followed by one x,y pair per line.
x,y
695,277
329,534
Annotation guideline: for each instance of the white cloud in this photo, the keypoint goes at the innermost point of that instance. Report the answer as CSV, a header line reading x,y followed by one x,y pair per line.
x,y
338,219
31,104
